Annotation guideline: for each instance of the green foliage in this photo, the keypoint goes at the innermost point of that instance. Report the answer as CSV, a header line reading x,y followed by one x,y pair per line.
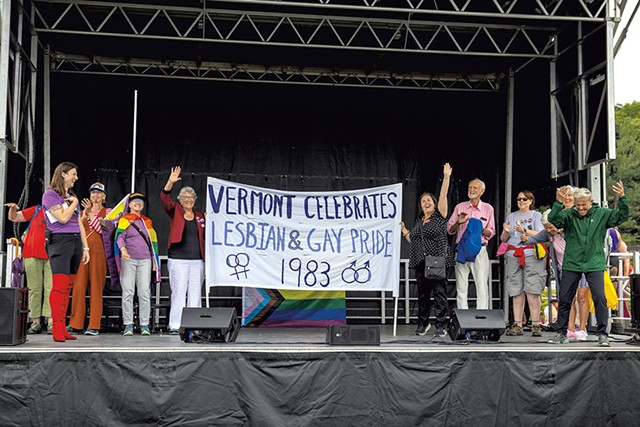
x,y
626,166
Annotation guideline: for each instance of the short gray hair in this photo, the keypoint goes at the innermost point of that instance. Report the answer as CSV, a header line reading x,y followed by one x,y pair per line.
x,y
582,192
185,190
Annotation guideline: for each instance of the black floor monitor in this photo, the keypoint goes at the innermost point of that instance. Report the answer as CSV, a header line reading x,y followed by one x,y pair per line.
x,y
217,324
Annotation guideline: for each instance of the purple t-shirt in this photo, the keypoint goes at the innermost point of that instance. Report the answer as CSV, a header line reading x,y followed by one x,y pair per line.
x,y
131,239
50,199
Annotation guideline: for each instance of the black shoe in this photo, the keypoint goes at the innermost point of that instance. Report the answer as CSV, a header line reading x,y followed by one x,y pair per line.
x,y
422,329
174,332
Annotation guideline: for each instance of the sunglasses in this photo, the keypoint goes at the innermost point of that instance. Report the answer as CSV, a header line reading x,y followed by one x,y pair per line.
x,y
521,199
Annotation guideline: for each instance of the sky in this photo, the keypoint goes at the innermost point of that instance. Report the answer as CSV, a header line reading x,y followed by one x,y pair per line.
x,y
627,62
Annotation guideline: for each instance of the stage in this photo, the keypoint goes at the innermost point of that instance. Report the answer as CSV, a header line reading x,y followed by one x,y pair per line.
x,y
292,377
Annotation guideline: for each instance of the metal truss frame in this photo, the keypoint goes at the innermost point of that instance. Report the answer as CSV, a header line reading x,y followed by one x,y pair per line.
x,y
217,71
18,71
510,8
18,77
581,134
389,33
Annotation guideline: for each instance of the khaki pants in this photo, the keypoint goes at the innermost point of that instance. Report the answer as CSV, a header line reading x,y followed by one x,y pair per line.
x,y
38,272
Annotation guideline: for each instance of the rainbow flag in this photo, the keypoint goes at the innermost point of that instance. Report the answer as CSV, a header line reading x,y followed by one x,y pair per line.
x,y
118,210
289,309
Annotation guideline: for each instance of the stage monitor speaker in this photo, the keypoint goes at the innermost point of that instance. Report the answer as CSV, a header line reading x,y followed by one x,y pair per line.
x,y
353,335
635,302
215,324
476,324
14,309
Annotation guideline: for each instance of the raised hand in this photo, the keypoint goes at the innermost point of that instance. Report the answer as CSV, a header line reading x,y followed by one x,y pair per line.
x,y
561,194
13,212
447,169
175,175
506,227
618,189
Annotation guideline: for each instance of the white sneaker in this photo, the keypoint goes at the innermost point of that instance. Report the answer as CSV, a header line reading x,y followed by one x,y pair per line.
x,y
581,335
572,335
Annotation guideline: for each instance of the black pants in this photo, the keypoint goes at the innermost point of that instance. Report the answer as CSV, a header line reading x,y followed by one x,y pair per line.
x,y
568,288
65,253
427,287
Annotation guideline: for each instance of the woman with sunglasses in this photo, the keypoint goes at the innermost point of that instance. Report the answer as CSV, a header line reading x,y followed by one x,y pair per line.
x,y
525,274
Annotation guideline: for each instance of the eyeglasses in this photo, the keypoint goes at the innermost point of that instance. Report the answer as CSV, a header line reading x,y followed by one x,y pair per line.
x,y
187,198
521,199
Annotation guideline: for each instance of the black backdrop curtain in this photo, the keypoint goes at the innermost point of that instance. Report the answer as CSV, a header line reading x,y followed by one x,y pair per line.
x,y
277,136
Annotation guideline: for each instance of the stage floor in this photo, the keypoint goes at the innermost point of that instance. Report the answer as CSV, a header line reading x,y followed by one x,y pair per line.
x,y
296,340
278,376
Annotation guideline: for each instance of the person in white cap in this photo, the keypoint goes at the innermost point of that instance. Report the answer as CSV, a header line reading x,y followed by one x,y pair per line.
x,y
95,272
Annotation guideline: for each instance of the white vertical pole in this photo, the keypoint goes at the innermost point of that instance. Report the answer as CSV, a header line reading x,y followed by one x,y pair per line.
x,y
395,316
46,117
611,110
135,130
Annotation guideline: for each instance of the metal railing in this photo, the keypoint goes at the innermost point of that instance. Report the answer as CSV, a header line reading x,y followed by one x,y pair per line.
x,y
379,306
623,282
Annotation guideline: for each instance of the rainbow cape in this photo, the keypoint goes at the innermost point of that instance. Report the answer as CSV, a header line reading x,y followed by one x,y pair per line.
x,y
124,223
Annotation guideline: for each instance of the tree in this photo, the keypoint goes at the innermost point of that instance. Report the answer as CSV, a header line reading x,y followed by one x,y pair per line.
x,y
626,166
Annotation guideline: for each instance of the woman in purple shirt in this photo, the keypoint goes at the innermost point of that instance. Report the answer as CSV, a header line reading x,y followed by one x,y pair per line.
x,y
66,243
137,243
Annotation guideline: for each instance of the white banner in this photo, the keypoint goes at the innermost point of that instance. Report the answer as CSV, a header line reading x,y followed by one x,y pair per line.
x,y
263,238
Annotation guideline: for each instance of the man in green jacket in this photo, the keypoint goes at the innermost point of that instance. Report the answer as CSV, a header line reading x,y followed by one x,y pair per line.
x,y
585,226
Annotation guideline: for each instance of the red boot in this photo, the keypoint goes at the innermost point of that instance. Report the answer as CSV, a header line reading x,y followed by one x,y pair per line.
x,y
57,303
68,288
